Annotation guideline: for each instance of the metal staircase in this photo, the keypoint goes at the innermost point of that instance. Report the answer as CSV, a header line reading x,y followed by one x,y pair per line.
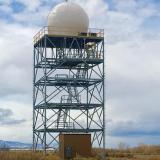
x,y
72,97
62,119
62,115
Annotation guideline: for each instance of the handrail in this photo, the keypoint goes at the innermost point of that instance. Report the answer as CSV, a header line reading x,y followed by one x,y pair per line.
x,y
92,32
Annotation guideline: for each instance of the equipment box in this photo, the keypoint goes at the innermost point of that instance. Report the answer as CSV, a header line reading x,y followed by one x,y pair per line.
x,y
71,145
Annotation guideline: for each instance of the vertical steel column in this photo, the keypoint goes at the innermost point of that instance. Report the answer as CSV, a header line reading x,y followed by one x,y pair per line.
x,y
45,90
86,68
103,96
33,127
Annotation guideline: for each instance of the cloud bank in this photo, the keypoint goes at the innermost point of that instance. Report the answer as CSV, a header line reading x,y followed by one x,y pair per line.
x,y
6,118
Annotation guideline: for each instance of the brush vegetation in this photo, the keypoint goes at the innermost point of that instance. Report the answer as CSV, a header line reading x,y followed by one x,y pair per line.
x,y
142,152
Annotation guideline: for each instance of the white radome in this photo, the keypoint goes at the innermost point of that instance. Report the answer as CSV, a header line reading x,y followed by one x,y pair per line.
x,y
67,18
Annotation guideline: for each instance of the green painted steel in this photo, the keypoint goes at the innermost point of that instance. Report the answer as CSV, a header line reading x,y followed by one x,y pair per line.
x,y
68,89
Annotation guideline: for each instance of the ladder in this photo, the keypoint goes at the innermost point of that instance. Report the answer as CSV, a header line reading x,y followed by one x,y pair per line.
x,y
81,72
73,96
59,53
62,118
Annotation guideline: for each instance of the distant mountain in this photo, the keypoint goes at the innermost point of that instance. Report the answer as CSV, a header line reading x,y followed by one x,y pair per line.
x,y
19,145
14,145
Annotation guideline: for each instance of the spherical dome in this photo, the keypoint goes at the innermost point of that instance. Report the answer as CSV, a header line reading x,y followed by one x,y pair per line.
x,y
67,18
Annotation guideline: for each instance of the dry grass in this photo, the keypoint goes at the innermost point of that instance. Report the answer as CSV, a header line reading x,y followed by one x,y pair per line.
x,y
143,152
27,155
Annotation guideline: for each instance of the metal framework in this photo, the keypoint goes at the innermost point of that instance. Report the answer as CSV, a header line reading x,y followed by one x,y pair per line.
x,y
68,87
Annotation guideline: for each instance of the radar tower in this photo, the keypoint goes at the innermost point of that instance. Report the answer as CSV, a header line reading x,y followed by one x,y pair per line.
x,y
68,83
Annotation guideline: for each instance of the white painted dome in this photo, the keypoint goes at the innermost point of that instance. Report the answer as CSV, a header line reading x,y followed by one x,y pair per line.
x,y
67,18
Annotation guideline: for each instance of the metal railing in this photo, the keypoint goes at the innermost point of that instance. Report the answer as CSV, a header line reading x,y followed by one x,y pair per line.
x,y
68,99
53,31
61,76
65,125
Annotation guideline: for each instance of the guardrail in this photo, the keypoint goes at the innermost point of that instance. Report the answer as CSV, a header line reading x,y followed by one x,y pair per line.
x,y
65,125
67,99
61,76
53,31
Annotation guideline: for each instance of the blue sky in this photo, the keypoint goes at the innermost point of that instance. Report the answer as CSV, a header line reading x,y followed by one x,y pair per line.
x,y
132,29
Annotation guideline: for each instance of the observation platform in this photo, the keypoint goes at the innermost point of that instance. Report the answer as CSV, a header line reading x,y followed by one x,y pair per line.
x,y
48,37
74,106
67,62
69,130
60,81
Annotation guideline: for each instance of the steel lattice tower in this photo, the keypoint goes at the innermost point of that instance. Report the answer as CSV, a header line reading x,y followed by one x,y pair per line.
x,y
68,87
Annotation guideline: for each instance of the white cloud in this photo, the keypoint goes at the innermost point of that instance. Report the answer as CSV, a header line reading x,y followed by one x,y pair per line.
x,y
5,8
21,112
125,5
7,119
31,5
16,58
6,2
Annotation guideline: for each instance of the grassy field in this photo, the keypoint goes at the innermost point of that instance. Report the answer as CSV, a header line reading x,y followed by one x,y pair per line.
x,y
142,152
